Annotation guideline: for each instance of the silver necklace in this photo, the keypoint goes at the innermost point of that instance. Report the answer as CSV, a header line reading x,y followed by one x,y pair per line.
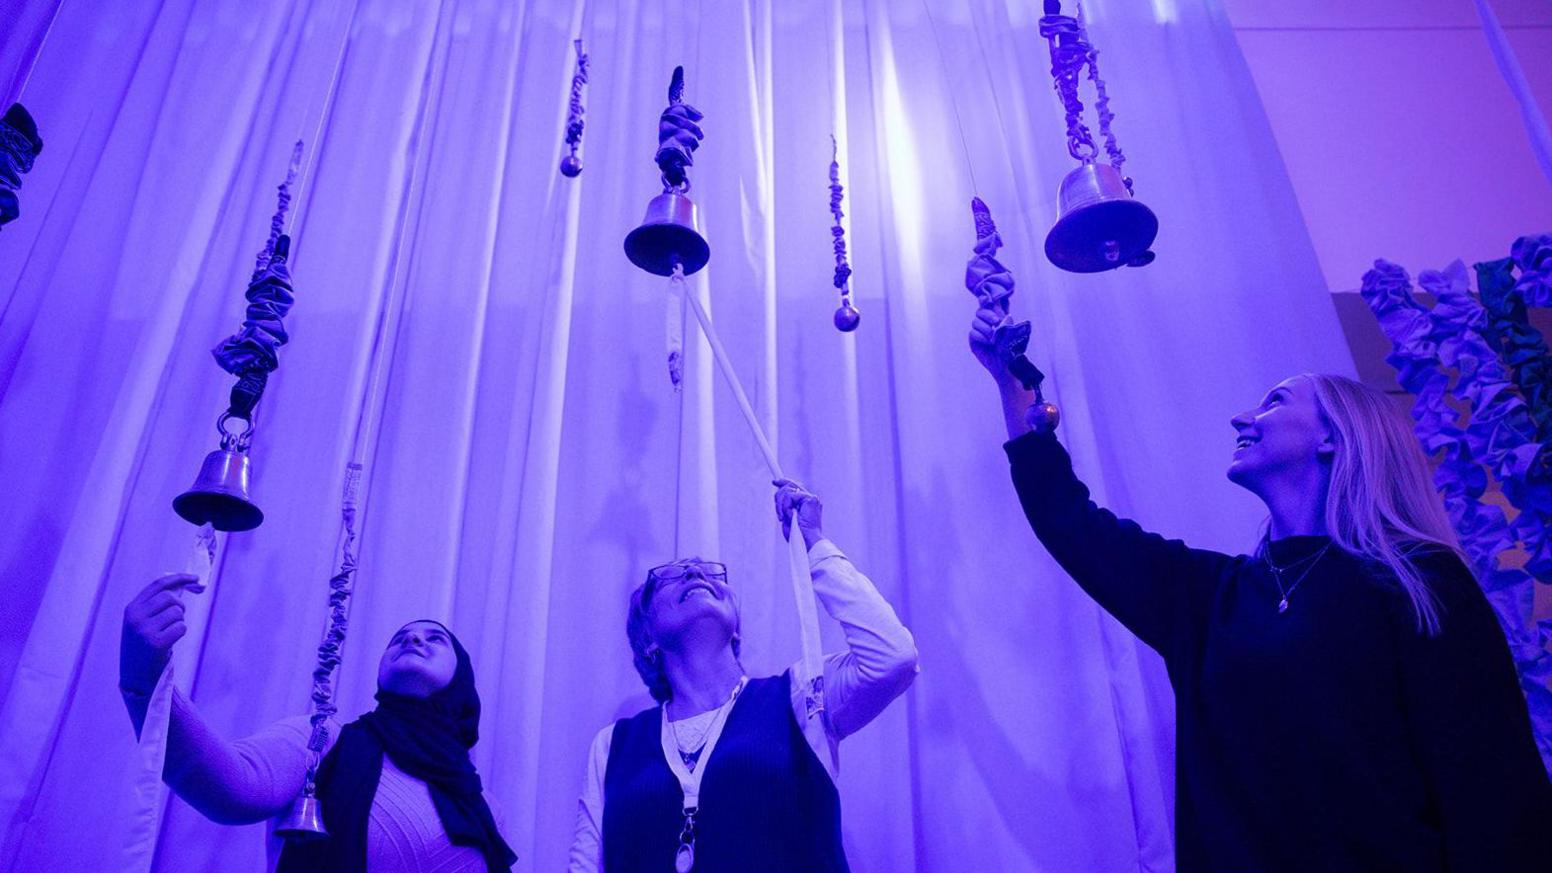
x,y
689,752
1277,574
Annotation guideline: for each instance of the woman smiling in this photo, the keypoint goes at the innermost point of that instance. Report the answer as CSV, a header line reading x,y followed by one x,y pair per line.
x,y
1344,696
730,773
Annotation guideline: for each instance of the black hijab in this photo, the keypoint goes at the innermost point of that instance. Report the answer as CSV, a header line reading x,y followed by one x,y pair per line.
x,y
428,738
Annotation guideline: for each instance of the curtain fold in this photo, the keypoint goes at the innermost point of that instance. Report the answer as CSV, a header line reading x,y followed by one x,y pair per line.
x,y
530,459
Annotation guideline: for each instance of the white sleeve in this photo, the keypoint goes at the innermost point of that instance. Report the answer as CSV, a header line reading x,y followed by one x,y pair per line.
x,y
239,782
587,846
880,658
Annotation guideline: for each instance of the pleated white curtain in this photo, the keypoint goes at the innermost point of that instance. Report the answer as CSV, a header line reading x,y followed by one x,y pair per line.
x,y
527,459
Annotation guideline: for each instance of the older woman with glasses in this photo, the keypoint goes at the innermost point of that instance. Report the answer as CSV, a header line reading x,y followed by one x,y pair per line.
x,y
729,772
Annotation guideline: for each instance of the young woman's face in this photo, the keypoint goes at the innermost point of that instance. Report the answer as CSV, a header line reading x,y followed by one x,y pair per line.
x,y
687,592
419,660
1284,437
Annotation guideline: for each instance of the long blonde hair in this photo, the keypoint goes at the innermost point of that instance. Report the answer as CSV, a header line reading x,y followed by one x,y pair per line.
x,y
1381,502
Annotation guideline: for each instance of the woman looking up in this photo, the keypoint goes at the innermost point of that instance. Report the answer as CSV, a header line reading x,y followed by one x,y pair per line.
x,y
768,800
397,788
1345,699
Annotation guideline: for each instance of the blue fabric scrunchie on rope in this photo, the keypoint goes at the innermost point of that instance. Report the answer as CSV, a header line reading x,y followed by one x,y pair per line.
x,y
1500,361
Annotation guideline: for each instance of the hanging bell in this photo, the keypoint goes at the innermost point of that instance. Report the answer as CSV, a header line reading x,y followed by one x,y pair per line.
x,y
847,317
1099,226
220,494
571,166
668,235
304,822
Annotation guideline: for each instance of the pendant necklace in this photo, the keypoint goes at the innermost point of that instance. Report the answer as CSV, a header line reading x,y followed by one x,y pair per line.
x,y
1277,574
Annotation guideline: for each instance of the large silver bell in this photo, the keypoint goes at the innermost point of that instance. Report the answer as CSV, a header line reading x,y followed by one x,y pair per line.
x,y
304,821
1099,226
668,235
220,494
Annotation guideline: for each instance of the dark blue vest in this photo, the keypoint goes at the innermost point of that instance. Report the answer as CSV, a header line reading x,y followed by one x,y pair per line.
x,y
766,802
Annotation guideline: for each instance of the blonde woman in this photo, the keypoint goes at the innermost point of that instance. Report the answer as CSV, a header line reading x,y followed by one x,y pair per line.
x,y
1344,696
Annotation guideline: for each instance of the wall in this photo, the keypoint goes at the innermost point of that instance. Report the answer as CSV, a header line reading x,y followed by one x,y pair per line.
x,y
1402,141
1399,134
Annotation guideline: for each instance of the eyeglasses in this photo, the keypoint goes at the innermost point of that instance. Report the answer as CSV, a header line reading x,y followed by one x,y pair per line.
x,y
715,570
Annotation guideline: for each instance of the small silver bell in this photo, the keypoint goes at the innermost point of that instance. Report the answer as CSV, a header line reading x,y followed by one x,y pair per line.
x,y
1099,226
668,235
571,166
305,820
847,317
220,494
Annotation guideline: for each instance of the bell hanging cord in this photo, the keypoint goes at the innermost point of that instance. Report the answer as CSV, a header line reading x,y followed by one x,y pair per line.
x,y
220,493
1099,226
305,819
992,285
797,550
1101,101
668,244
846,317
571,165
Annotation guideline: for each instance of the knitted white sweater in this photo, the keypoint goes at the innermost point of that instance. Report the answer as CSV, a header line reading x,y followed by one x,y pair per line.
x,y
257,778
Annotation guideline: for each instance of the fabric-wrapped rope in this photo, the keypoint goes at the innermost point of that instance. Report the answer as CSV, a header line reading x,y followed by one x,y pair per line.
x,y
19,147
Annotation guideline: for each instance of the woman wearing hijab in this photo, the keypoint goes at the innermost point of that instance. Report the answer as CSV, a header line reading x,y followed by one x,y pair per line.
x,y
732,774
1344,696
397,787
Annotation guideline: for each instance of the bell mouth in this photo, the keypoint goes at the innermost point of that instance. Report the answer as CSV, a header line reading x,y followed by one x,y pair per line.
x,y
1102,236
668,236
657,247
224,512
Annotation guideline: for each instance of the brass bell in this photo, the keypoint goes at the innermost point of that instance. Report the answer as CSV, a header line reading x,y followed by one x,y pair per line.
x,y
571,166
220,494
668,235
304,822
1099,226
1043,416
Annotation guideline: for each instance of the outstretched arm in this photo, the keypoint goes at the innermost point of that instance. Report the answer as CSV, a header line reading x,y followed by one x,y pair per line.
x,y
880,658
1147,582
238,782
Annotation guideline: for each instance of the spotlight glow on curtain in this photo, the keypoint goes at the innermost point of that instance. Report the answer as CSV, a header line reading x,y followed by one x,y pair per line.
x,y
533,460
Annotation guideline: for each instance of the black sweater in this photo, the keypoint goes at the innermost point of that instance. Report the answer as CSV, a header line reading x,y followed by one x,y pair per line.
x,y
1332,737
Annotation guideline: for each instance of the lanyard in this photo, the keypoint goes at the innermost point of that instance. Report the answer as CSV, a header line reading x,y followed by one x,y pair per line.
x,y
690,780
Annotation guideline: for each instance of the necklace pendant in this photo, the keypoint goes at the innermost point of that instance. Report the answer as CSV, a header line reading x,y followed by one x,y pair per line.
x,y
1282,606
684,859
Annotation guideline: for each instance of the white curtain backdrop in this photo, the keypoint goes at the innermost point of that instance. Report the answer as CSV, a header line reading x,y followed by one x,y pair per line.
x,y
530,459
